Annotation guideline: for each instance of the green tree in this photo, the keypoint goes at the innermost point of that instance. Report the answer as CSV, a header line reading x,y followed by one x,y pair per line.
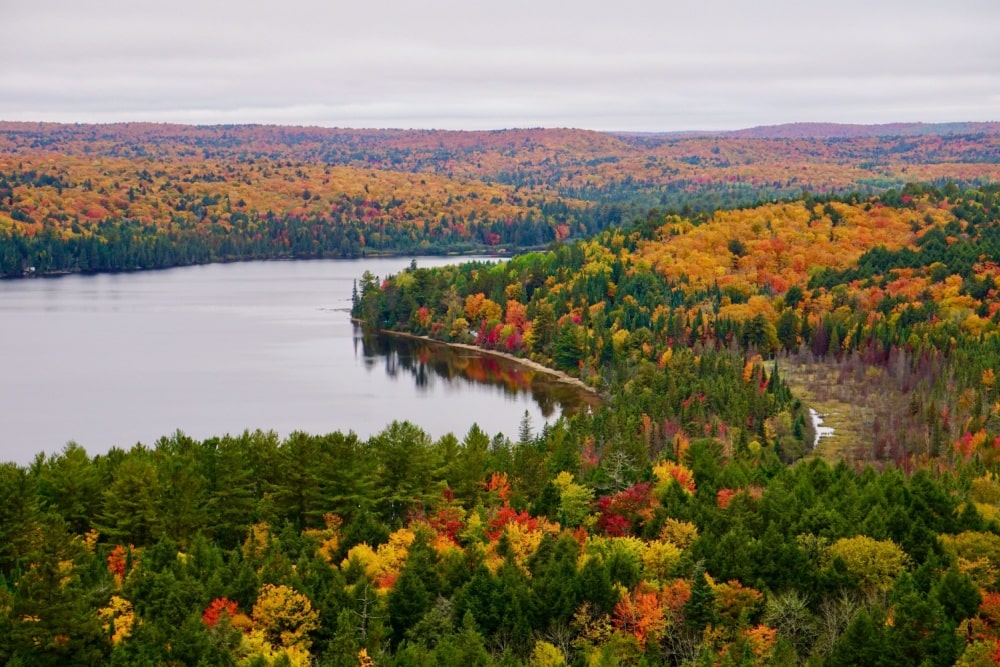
x,y
556,593
344,647
70,485
543,328
19,515
413,594
465,647
404,469
787,329
920,633
761,334
182,486
570,346
299,489
864,643
54,616
131,502
239,469
466,473
699,610
957,594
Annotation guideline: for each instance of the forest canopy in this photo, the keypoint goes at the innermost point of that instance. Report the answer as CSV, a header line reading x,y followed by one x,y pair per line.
x,y
690,518
128,196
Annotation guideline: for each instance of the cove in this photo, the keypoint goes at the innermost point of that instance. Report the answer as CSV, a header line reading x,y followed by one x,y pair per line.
x,y
109,360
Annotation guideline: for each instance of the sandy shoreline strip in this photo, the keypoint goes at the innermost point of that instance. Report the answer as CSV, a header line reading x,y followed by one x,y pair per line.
x,y
558,376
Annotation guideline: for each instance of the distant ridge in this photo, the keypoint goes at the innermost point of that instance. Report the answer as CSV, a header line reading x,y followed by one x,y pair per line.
x,y
851,131
509,136
829,131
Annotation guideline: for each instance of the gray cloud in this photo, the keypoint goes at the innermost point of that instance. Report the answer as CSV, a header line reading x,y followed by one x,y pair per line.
x,y
633,64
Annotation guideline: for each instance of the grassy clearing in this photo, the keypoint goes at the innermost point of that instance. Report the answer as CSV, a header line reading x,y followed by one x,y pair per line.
x,y
822,387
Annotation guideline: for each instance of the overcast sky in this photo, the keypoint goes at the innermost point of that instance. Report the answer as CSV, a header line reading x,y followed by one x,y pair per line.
x,y
481,64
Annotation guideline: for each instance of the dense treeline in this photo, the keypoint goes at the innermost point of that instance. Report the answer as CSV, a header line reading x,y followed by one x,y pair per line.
x,y
77,215
402,550
128,244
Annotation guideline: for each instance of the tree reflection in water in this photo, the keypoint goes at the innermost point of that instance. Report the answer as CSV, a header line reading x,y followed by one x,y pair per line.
x,y
428,363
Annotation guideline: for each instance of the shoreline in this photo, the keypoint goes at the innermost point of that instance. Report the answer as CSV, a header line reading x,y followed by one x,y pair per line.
x,y
487,253
557,375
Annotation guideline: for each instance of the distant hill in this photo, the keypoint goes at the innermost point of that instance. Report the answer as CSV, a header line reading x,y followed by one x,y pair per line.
x,y
828,131
100,197
849,131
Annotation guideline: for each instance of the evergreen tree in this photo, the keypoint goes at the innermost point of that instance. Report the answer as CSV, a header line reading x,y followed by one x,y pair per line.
x,y
699,610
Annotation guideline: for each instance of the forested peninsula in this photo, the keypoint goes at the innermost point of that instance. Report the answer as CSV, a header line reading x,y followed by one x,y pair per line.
x,y
687,520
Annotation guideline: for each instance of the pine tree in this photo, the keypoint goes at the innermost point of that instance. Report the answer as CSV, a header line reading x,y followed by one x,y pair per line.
x,y
699,611
410,598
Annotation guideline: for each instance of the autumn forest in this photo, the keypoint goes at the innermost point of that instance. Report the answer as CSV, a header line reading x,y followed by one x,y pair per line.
x,y
714,292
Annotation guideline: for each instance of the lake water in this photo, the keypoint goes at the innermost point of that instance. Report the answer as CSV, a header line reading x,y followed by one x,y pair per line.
x,y
114,359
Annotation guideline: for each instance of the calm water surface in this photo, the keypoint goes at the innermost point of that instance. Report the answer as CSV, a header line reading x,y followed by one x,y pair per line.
x,y
111,360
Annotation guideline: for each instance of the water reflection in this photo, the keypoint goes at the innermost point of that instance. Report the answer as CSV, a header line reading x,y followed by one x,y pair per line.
x,y
111,360
429,363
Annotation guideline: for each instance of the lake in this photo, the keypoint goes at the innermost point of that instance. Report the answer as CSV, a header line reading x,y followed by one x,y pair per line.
x,y
114,359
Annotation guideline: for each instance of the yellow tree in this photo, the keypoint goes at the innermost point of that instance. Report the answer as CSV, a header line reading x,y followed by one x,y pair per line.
x,y
285,616
574,500
874,564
